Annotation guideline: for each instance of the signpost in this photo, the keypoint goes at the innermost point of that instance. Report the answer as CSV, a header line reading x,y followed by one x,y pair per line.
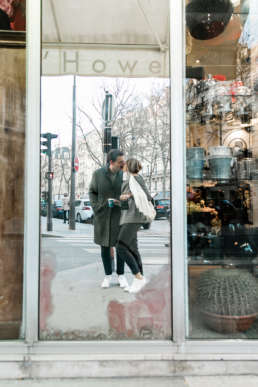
x,y
73,170
76,164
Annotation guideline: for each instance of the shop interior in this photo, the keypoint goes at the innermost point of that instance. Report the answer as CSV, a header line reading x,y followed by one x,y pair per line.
x,y
222,167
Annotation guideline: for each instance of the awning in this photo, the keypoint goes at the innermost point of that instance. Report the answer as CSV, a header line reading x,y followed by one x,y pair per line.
x,y
106,38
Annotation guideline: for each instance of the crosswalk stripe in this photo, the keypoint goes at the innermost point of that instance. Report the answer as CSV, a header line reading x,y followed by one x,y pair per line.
x,y
141,243
142,251
155,261
157,244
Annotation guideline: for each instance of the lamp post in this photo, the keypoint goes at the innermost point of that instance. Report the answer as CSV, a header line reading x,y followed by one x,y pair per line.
x,y
107,114
73,172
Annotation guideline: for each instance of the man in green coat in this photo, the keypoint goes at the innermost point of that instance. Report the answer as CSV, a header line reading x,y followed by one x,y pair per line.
x,y
106,184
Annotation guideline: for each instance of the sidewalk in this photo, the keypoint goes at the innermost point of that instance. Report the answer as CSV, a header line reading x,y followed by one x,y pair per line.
x,y
194,381
62,230
67,310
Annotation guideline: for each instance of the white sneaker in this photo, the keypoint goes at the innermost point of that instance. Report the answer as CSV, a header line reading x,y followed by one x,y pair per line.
x,y
106,282
137,285
122,281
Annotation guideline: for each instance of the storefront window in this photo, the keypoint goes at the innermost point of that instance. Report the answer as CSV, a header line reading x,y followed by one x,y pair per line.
x,y
221,166
12,145
101,80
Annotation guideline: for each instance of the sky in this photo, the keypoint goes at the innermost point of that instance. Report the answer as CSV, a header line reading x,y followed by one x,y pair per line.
x,y
56,101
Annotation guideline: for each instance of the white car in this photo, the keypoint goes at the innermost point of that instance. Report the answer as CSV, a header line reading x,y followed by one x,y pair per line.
x,y
83,211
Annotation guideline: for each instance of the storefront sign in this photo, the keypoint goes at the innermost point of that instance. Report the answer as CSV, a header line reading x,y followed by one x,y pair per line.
x,y
111,63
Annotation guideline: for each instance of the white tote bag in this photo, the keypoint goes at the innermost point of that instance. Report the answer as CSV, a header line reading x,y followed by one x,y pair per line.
x,y
141,201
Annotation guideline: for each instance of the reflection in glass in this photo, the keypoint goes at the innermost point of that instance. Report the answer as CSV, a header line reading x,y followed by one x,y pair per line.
x,y
81,294
221,125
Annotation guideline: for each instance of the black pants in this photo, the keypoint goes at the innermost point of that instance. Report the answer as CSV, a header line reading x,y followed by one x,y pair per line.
x,y
127,247
4,21
107,261
66,215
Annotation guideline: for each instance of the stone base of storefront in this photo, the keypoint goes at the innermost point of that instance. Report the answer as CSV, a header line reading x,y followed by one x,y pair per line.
x,y
28,363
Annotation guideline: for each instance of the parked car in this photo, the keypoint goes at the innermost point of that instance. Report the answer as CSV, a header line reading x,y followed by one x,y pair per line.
x,y
161,206
43,208
83,211
57,209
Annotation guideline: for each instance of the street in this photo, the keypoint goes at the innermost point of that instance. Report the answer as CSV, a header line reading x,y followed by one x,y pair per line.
x,y
74,249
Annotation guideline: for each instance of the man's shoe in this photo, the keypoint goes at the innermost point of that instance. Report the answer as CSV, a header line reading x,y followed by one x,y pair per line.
x,y
106,282
122,281
137,285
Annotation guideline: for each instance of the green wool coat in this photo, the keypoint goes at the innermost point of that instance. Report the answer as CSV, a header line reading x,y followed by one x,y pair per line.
x,y
106,219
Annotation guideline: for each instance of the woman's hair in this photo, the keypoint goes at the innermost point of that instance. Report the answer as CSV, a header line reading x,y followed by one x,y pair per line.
x,y
133,165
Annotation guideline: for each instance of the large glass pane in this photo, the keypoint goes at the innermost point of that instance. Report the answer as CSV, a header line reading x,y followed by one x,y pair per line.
x,y
222,200
12,141
98,54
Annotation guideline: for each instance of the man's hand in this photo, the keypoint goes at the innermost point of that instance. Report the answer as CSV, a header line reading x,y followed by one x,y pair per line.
x,y
117,202
125,197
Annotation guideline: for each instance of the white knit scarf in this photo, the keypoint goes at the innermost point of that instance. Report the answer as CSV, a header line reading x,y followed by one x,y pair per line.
x,y
141,201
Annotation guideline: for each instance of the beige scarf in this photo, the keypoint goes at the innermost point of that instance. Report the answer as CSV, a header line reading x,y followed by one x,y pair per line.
x,y
141,201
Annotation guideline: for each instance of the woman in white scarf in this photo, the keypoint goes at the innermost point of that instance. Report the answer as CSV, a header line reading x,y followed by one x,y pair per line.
x,y
137,209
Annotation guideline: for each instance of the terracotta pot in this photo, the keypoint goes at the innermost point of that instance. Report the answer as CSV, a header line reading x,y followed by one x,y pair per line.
x,y
228,324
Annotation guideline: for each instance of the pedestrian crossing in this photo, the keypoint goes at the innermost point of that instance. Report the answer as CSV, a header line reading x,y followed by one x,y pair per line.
x,y
153,249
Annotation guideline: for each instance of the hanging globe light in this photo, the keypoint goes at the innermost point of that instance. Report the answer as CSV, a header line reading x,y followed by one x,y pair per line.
x,y
207,19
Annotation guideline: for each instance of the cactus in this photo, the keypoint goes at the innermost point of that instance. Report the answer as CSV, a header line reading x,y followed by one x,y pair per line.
x,y
228,292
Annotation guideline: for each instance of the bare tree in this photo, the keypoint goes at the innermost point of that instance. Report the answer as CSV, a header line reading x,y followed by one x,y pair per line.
x,y
140,121
90,123
158,139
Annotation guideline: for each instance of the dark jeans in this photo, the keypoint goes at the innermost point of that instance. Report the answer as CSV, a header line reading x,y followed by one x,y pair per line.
x,y
4,21
66,215
127,247
107,261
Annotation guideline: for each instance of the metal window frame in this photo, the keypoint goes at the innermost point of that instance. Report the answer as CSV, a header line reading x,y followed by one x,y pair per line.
x,y
178,349
32,171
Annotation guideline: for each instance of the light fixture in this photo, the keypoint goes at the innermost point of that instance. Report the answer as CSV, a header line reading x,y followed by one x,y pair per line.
x,y
207,19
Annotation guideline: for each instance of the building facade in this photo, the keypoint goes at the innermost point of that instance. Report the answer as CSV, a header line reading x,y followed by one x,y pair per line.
x,y
198,313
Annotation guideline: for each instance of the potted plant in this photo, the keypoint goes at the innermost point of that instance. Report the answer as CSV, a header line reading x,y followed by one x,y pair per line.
x,y
228,299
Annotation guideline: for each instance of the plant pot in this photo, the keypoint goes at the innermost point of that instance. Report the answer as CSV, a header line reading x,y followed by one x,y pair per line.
x,y
195,159
228,299
228,324
220,162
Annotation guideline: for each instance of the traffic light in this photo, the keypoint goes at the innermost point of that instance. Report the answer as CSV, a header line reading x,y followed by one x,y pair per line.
x,y
115,142
48,137
46,144
49,175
